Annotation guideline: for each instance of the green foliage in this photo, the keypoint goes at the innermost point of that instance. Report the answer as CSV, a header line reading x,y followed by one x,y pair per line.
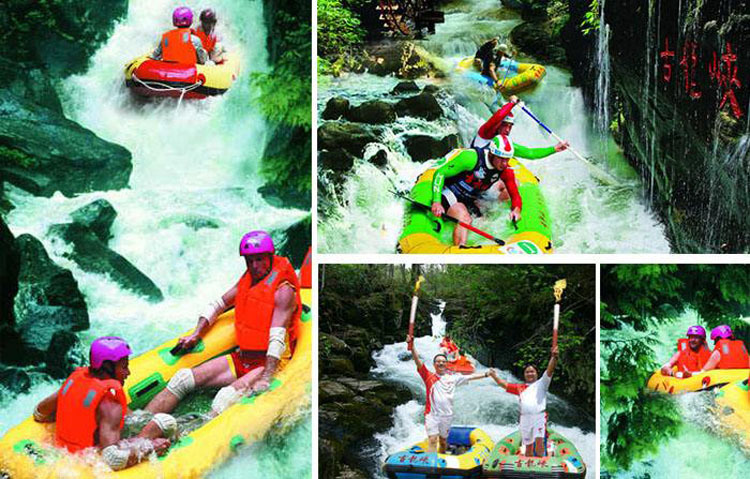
x,y
557,12
15,157
285,99
636,301
590,21
339,30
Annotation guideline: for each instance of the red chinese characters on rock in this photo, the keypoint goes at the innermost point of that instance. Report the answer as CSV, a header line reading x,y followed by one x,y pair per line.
x,y
725,74
722,70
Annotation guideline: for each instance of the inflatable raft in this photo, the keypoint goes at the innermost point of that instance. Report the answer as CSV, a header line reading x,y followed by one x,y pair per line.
x,y
734,408
563,461
147,77
461,365
423,233
520,77
416,463
26,451
697,382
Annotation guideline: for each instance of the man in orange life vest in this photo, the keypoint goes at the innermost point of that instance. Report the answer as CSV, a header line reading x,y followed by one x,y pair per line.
x,y
728,353
90,409
449,348
207,34
181,45
692,353
267,312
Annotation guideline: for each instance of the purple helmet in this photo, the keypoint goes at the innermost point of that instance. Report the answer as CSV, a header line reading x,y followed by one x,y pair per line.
x,y
108,348
182,17
696,331
256,242
723,332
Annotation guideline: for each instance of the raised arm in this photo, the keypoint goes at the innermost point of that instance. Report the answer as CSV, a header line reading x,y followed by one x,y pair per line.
x,y
500,381
414,354
483,375
552,361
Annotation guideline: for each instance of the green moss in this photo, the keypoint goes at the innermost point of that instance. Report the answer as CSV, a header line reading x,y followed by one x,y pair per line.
x,y
16,158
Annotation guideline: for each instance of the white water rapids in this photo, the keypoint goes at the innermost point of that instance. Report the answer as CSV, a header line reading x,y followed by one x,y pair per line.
x,y
193,162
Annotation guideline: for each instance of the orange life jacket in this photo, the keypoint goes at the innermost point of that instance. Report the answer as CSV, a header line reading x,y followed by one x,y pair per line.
x,y
207,40
305,272
449,345
176,46
689,360
254,304
733,354
77,401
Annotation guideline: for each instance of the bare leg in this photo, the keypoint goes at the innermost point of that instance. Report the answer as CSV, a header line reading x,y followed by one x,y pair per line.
x,y
539,447
213,373
443,445
433,443
460,212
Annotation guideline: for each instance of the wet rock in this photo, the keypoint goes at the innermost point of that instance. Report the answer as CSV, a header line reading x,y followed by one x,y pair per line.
x,y
98,217
361,386
192,221
42,152
423,105
9,267
57,359
333,391
431,89
405,87
48,299
92,255
331,345
424,147
283,152
402,59
14,380
348,472
338,366
335,108
537,40
294,241
380,158
340,142
374,112
30,83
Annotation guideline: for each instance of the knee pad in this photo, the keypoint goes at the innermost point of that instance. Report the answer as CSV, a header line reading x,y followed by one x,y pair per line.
x,y
167,423
115,457
181,383
226,397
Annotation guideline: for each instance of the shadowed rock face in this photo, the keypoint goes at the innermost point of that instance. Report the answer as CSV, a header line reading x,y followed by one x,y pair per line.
x,y
693,156
42,152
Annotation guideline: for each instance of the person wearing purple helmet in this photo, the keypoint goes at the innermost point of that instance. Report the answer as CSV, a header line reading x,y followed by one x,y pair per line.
x,y
729,352
90,407
692,354
267,310
180,45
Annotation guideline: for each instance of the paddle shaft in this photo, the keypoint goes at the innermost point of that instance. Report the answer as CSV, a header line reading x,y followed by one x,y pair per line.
x,y
570,148
455,220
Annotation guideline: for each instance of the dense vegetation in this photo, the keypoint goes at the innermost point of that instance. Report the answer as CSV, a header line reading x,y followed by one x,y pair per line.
x,y
285,94
500,314
636,300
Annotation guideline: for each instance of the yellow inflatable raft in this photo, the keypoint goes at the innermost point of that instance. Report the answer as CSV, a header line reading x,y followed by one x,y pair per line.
x,y
734,408
522,76
697,382
26,451
147,77
416,463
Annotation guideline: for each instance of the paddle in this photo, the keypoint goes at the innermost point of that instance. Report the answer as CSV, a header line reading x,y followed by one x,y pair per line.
x,y
413,313
450,218
558,288
598,172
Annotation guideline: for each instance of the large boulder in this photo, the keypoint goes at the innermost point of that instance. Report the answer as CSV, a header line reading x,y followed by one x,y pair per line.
x,y
48,300
425,147
30,83
294,241
424,105
97,216
93,255
405,87
340,142
373,111
42,152
335,108
10,263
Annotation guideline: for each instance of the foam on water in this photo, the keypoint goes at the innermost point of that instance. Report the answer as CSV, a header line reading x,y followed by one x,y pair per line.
x,y
588,217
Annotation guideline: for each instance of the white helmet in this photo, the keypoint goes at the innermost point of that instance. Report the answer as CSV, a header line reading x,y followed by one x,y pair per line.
x,y
501,146
509,118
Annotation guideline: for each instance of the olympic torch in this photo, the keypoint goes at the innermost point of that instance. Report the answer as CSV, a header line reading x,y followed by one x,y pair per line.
x,y
558,288
413,313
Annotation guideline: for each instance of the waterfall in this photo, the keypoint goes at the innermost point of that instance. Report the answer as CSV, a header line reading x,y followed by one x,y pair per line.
x,y
601,94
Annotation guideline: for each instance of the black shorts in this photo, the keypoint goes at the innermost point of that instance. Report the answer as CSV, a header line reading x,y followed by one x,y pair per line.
x,y
449,198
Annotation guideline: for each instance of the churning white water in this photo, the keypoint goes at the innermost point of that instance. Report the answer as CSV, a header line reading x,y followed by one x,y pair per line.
x,y
193,193
363,216
479,403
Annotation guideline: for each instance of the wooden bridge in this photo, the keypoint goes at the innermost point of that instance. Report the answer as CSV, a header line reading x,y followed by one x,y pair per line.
x,y
409,17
